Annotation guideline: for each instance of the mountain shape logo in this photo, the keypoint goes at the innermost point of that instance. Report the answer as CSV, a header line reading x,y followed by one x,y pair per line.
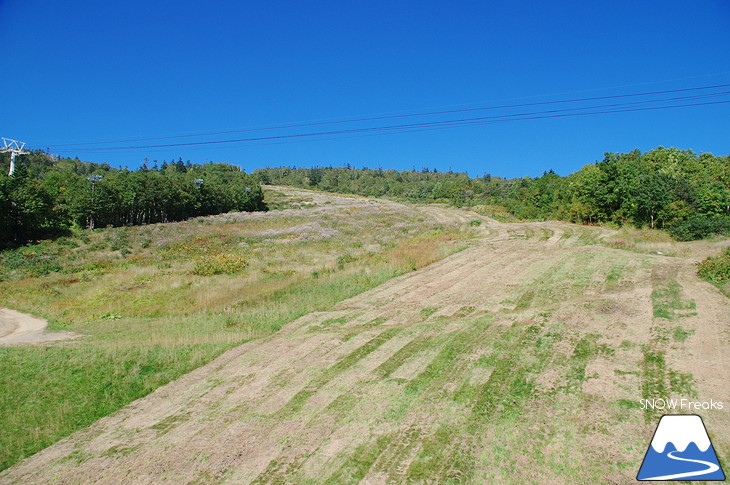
x,y
680,450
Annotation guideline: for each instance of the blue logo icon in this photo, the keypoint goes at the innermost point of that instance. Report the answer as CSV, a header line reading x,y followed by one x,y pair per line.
x,y
680,450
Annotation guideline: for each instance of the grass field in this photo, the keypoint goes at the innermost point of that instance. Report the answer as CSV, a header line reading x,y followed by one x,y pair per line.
x,y
157,301
521,358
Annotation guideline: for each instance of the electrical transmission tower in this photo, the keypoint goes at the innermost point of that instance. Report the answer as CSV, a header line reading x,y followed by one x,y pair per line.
x,y
15,147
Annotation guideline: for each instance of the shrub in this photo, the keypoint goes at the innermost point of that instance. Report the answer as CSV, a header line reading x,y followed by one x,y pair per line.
x,y
219,264
31,261
716,269
700,226
343,260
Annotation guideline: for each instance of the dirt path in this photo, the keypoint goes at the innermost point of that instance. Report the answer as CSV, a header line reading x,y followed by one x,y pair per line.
x,y
520,359
20,328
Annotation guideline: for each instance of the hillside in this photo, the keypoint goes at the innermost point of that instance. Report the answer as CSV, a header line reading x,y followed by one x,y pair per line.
x,y
677,190
154,302
520,359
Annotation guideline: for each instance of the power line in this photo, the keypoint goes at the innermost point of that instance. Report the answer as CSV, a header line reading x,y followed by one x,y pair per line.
x,y
391,117
434,124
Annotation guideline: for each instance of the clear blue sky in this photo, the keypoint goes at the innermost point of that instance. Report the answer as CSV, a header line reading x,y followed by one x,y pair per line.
x,y
92,71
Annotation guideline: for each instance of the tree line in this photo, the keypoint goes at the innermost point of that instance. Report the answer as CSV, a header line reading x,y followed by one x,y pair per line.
x,y
669,188
677,190
46,196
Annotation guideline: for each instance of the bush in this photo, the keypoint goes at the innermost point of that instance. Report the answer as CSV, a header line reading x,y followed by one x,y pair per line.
x,y
30,261
716,269
700,226
219,264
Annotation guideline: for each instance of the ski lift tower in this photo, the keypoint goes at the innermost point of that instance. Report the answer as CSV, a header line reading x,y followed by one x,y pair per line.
x,y
15,148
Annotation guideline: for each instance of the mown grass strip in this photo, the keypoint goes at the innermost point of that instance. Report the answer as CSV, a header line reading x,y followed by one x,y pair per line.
x,y
446,364
668,302
585,351
277,471
355,356
511,383
659,381
296,403
356,465
441,458
385,369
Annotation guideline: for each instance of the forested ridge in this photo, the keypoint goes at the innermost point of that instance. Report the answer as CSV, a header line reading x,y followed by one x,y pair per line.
x,y
669,188
678,190
45,196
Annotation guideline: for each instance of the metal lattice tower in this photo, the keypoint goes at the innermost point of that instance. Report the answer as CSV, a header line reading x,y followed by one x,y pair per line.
x,y
15,148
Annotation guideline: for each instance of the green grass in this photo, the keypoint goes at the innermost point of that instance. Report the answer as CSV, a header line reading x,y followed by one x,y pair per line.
x,y
613,278
681,335
659,381
585,351
359,462
547,285
453,448
385,369
668,302
436,458
48,392
497,212
428,311
511,384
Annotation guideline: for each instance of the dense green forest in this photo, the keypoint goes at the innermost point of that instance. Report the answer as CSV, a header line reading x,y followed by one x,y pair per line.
x,y
46,196
668,188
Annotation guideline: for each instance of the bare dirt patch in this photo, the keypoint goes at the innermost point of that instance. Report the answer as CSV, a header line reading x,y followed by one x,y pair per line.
x,y
18,328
